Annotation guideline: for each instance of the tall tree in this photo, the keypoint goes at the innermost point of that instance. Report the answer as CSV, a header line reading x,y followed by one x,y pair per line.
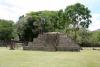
x,y
27,28
79,16
34,22
6,29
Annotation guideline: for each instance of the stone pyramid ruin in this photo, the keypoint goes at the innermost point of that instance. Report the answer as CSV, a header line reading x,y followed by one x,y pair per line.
x,y
52,41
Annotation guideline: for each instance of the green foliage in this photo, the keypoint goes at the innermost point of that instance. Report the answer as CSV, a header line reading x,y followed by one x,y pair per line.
x,y
34,22
6,29
83,36
78,16
26,29
73,21
95,37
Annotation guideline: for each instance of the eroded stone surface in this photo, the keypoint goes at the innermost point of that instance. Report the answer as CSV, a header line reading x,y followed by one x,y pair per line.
x,y
53,41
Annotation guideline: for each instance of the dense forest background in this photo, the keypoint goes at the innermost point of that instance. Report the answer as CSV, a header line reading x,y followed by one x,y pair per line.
x,y
73,21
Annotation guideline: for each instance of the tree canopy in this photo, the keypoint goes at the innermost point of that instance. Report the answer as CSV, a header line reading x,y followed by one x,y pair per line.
x,y
74,20
6,29
33,23
78,16
36,22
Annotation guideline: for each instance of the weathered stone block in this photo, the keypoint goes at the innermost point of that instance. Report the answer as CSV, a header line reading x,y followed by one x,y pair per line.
x,y
53,41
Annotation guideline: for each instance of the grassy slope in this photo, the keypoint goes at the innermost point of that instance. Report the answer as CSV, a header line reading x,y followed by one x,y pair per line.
x,y
20,58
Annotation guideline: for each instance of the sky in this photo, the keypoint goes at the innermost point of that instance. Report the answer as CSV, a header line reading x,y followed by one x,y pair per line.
x,y
12,9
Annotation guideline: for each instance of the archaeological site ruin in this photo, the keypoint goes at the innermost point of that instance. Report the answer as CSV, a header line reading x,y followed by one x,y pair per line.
x,y
52,41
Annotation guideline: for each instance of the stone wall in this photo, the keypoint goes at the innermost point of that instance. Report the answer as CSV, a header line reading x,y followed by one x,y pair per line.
x,y
67,44
53,41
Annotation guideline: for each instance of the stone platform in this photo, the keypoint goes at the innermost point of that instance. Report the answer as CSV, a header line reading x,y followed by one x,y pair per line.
x,y
52,41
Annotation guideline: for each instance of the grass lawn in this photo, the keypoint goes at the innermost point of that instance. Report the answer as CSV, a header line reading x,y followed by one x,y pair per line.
x,y
20,58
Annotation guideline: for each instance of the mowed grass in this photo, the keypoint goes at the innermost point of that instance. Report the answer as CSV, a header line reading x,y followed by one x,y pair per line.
x,y
20,58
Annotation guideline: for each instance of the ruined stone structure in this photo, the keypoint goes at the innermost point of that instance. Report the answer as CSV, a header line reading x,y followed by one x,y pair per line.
x,y
52,41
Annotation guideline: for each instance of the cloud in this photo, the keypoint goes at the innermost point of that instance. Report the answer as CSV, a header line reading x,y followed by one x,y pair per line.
x,y
95,22
12,9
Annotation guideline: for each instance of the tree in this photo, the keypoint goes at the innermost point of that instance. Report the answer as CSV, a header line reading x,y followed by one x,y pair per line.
x,y
83,37
6,29
60,21
27,28
95,38
30,25
79,16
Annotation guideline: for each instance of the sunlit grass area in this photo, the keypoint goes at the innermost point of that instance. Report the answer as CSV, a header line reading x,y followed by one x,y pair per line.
x,y
20,58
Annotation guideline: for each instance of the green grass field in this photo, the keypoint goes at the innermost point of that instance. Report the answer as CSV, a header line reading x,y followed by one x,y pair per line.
x,y
20,58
